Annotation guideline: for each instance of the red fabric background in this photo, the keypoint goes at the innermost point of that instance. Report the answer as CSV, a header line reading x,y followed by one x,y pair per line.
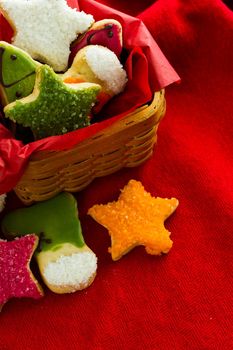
x,y
182,300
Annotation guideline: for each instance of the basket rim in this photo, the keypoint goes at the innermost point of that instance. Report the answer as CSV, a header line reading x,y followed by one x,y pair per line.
x,y
139,115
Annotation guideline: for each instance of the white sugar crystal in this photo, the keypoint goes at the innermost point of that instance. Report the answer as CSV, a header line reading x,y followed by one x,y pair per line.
x,y
45,28
107,67
74,270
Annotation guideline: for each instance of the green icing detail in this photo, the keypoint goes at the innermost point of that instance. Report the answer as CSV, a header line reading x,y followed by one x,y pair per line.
x,y
57,247
17,72
55,221
57,108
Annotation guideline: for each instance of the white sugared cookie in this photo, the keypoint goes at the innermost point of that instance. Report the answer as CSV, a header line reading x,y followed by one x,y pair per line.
x,y
97,64
45,29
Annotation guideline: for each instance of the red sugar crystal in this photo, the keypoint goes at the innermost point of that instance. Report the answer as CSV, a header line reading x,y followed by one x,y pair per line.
x,y
16,278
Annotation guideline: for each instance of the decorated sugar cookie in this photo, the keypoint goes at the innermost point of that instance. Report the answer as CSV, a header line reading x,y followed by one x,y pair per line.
x,y
135,219
17,73
97,64
66,263
45,29
16,278
107,32
54,107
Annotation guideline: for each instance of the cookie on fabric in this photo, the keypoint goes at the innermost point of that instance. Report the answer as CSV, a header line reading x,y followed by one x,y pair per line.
x,y
45,29
107,32
65,262
53,108
136,219
18,73
16,278
97,64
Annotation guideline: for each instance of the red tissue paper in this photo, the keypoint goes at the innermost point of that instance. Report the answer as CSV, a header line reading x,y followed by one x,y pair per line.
x,y
148,71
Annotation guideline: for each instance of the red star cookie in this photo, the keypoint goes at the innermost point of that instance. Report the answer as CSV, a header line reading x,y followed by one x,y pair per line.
x,y
16,278
135,219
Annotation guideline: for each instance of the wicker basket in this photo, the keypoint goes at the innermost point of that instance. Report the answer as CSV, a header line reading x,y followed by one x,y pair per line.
x,y
126,143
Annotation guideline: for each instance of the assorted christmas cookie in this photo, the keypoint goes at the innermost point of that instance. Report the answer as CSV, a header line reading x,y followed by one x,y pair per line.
x,y
16,278
66,263
135,219
48,34
97,64
17,73
45,29
107,32
54,107
31,92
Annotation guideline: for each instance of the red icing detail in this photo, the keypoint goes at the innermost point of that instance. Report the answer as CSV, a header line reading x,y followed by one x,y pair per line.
x,y
6,31
102,99
16,279
108,36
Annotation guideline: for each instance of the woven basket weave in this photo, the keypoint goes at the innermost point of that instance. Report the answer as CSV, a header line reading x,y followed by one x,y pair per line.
x,y
126,143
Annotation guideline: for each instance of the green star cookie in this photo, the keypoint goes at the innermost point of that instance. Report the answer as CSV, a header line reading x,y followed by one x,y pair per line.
x,y
54,108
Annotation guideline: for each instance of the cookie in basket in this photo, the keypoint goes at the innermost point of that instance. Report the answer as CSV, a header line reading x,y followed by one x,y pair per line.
x,y
53,108
45,29
98,64
107,33
18,73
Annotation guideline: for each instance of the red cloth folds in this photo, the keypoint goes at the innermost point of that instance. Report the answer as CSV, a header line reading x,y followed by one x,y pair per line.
x,y
148,71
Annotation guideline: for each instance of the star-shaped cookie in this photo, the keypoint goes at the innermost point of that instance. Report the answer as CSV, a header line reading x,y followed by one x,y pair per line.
x,y
135,219
16,278
45,28
54,107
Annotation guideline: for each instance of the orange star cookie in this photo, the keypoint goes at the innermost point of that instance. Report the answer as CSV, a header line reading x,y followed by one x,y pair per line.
x,y
135,219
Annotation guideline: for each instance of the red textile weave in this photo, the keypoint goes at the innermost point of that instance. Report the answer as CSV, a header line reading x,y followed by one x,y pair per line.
x,y
182,300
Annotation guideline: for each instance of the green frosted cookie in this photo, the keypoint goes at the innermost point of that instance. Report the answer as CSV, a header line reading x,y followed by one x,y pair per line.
x,y
17,73
54,107
66,263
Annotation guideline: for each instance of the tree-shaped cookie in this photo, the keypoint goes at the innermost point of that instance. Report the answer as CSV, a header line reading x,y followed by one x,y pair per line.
x,y
17,73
